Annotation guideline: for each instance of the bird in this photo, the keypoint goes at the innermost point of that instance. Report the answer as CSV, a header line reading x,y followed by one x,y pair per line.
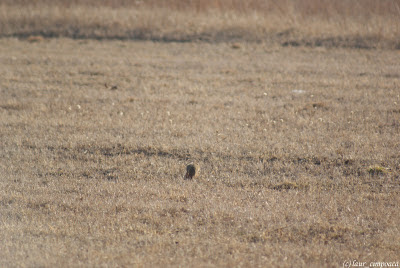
x,y
192,171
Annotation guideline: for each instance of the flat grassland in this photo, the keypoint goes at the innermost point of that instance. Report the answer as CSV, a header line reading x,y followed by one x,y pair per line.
x,y
298,148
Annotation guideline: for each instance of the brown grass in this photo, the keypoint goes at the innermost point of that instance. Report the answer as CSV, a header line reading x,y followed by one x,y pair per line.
x,y
95,138
341,23
297,135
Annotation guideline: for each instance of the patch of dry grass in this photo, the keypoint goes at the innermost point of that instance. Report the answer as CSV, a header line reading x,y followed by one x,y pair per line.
x,y
95,138
357,24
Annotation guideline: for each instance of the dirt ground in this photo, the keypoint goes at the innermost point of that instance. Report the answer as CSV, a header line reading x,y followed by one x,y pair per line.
x,y
298,148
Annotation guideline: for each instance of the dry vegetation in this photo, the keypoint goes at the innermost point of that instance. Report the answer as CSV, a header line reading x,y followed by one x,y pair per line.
x,y
298,146
344,23
96,137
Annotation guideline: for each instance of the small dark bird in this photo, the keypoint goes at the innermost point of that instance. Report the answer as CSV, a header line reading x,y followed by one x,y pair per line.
x,y
192,171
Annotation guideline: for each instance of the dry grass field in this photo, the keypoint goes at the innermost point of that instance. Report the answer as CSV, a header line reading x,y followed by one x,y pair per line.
x,y
312,23
298,148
